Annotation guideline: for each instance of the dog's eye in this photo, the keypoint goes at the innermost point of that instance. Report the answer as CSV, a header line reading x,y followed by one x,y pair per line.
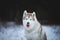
x,y
30,19
26,18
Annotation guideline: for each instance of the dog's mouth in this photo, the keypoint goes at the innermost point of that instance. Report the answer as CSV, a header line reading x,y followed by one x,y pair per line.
x,y
28,25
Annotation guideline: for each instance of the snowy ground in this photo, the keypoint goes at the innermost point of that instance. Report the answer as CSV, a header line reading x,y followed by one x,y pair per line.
x,y
11,31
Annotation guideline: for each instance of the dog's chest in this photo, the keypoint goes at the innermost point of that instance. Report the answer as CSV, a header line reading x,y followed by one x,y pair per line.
x,y
33,35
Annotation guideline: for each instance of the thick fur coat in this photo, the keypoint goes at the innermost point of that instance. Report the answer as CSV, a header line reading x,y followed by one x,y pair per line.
x,y
33,28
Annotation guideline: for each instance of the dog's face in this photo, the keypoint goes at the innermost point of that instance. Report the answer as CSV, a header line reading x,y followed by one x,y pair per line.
x,y
28,20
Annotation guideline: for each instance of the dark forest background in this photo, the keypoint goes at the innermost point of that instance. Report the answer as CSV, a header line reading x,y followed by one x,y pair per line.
x,y
13,11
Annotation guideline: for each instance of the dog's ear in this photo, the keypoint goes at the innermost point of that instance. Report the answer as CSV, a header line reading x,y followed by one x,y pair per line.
x,y
34,14
25,12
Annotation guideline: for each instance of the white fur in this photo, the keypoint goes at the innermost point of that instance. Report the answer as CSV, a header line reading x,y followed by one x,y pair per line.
x,y
25,12
34,31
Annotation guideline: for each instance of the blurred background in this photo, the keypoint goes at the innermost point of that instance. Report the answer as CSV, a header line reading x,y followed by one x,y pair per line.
x,y
11,13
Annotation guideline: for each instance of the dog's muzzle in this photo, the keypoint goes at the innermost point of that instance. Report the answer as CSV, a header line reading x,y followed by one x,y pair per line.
x,y
27,24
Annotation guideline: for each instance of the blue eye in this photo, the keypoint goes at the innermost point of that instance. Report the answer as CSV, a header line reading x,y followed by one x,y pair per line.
x,y
30,19
26,18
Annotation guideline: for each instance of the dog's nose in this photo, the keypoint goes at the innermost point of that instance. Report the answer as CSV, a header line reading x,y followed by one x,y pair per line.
x,y
27,22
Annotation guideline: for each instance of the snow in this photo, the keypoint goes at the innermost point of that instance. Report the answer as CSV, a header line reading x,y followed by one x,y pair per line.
x,y
11,31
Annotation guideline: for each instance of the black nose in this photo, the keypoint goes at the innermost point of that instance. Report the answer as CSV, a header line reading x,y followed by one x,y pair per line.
x,y
27,22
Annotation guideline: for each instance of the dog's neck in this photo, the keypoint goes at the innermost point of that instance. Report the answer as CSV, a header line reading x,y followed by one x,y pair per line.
x,y
33,29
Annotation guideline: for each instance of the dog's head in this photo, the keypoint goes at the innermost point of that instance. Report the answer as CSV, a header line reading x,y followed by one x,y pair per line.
x,y
29,20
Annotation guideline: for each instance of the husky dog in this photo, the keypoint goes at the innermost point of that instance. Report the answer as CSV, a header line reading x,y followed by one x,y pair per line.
x,y
33,29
